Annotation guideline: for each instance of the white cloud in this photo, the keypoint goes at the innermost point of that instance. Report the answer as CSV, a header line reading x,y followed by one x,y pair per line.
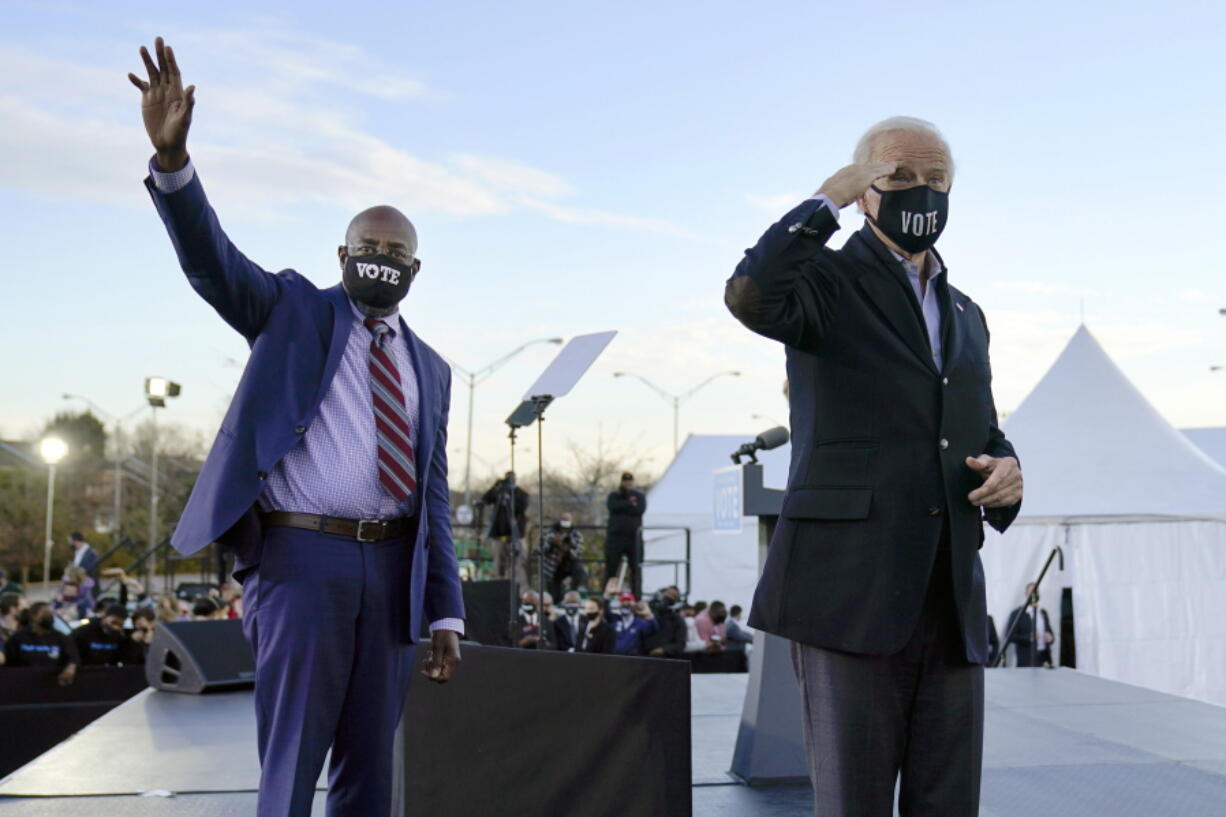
x,y
293,137
512,176
1194,296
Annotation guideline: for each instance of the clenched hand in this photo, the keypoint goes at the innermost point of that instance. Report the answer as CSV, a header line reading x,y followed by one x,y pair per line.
x,y
443,656
1002,481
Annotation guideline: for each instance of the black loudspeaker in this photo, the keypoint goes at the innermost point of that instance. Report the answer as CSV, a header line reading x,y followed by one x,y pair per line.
x,y
199,656
487,607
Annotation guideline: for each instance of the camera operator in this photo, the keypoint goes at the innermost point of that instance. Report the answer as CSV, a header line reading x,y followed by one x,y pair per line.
x,y
506,509
626,506
669,640
563,549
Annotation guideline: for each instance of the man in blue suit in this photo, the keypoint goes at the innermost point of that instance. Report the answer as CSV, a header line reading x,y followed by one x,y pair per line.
x,y
328,479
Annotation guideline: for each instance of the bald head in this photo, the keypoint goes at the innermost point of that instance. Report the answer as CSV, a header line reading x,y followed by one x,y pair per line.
x,y
382,224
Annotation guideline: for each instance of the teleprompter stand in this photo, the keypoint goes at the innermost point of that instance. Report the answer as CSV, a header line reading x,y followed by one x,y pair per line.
x,y
559,377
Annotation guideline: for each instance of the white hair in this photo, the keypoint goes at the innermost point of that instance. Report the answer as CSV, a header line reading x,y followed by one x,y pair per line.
x,y
863,153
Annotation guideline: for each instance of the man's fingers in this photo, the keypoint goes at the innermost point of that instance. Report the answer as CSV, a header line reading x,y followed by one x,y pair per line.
x,y
150,68
171,64
880,169
138,82
159,48
190,96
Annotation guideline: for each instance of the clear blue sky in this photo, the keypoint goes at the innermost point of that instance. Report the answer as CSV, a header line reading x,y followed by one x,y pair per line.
x,y
575,167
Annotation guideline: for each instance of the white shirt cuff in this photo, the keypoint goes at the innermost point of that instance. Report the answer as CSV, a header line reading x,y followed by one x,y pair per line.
x,y
456,625
822,197
171,182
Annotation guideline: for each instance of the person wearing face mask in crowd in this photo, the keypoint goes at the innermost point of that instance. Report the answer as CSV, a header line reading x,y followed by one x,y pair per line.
x,y
668,641
595,635
623,535
103,641
327,481
633,623
563,553
873,572
39,644
570,620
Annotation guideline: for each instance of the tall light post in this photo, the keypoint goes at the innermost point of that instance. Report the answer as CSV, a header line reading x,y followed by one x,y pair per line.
x,y
676,399
52,449
117,526
474,378
157,390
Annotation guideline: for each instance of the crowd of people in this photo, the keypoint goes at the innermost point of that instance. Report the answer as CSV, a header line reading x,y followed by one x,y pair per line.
x,y
662,626
97,617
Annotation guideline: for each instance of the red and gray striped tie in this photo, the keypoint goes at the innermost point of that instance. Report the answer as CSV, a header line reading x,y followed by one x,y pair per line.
x,y
397,466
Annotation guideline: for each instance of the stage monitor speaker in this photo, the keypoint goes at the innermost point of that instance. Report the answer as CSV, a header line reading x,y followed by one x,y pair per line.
x,y
199,656
487,610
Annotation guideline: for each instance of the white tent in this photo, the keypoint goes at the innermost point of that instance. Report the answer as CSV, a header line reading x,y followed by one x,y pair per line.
x,y
724,565
1140,513
1210,440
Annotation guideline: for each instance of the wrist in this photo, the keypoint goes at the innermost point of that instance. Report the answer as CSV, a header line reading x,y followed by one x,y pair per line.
x,y
170,160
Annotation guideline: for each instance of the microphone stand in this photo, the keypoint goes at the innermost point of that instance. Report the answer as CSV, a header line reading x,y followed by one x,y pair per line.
x,y
1031,600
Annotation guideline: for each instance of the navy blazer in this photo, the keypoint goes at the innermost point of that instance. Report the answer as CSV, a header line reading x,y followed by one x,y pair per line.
x,y
297,334
879,439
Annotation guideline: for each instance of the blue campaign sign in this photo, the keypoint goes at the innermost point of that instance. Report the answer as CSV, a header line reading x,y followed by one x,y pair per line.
x,y
729,503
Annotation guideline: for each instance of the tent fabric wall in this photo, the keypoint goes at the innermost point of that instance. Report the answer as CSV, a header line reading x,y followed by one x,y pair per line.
x,y
1150,605
724,566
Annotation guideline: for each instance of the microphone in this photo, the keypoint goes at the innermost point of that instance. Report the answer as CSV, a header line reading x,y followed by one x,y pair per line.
x,y
770,439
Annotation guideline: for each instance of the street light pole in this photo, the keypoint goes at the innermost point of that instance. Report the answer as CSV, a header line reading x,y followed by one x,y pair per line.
x,y
52,449
676,399
474,378
153,480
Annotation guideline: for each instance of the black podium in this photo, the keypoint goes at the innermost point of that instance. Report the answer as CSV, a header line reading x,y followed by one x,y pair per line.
x,y
770,744
540,732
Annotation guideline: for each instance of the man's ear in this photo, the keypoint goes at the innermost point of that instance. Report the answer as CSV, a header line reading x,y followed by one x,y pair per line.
x,y
416,269
343,254
862,203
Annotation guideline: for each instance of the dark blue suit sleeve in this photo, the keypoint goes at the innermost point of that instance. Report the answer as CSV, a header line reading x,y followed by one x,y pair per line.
x,y
444,596
777,290
241,292
998,446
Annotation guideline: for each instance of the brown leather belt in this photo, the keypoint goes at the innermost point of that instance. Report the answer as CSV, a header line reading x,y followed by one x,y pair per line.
x,y
363,530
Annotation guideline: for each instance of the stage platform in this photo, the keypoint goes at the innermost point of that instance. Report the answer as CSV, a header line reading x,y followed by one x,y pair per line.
x,y
1058,743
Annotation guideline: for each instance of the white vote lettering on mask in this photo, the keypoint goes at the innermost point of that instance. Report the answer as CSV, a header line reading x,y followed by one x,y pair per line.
x,y
389,275
919,224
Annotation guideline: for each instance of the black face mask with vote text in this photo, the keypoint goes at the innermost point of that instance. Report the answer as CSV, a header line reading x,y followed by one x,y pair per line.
x,y
377,280
912,218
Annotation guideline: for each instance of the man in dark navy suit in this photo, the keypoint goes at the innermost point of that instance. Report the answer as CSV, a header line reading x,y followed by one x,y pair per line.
x,y
873,573
328,479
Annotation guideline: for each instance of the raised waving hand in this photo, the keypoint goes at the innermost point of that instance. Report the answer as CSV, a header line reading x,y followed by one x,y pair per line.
x,y
165,105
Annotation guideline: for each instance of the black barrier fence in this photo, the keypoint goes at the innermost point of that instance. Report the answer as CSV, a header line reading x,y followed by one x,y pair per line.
x,y
36,713
477,559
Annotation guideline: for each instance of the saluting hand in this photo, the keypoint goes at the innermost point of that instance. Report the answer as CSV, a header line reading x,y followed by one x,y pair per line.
x,y
1002,481
165,106
851,182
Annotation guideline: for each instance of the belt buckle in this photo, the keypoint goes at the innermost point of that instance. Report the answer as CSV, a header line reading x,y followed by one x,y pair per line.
x,y
360,537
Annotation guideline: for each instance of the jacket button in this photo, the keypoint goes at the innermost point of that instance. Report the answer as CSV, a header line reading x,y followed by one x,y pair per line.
x,y
934,511
944,381
944,444
261,474
300,429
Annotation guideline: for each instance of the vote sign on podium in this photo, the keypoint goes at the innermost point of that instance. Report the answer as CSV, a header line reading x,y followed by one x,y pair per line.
x,y
728,511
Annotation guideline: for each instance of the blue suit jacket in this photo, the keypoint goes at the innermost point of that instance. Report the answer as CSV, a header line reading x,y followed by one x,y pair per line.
x,y
297,333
